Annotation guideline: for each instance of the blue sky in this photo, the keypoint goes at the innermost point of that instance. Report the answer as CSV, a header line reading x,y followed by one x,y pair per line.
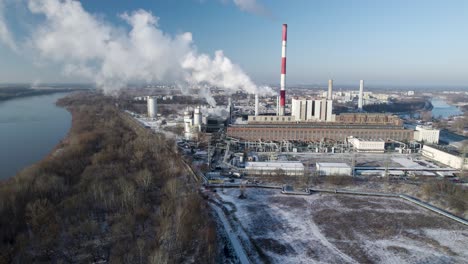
x,y
384,42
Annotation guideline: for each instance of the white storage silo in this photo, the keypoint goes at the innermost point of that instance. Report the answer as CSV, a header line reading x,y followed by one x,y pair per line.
x,y
152,107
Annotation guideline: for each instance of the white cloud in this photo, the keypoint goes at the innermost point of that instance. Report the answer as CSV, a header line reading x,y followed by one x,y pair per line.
x,y
251,6
112,56
5,34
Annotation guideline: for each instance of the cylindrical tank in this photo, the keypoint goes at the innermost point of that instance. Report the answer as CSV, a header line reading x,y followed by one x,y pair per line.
x,y
152,106
187,121
197,117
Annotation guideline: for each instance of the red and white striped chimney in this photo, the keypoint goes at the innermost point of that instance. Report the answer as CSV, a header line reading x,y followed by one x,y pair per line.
x,y
283,71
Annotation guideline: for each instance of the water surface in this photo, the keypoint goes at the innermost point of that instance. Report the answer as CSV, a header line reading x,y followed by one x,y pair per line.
x,y
30,128
441,108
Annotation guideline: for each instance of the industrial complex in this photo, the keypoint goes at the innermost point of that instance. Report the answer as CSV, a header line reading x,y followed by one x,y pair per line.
x,y
286,148
306,124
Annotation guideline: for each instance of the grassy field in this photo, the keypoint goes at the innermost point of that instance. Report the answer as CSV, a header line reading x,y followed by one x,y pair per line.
x,y
326,228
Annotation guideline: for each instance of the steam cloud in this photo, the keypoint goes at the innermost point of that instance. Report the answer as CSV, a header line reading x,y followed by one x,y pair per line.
x,y
113,56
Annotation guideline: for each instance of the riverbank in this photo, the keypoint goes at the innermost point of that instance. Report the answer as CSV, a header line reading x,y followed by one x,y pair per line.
x,y
107,193
9,93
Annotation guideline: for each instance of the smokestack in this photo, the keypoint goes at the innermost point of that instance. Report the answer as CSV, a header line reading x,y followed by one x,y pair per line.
x,y
361,94
283,71
330,88
256,104
277,105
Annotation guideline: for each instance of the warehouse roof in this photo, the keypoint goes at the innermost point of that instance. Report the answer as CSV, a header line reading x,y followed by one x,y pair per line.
x,y
276,165
332,165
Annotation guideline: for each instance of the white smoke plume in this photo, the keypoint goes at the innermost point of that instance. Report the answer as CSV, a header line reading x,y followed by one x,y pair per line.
x,y
113,56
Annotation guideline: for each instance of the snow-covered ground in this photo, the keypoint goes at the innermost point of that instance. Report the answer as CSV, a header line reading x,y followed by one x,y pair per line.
x,y
327,228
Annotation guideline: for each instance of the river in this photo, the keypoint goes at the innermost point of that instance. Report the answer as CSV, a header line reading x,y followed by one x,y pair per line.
x,y
441,108
30,128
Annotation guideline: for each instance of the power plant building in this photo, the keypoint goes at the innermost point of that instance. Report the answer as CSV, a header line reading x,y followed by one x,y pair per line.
x,y
279,128
314,121
312,110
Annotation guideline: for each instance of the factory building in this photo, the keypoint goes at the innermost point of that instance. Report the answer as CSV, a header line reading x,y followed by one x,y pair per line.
x,y
333,169
316,132
195,122
290,168
279,128
450,158
427,134
367,145
313,120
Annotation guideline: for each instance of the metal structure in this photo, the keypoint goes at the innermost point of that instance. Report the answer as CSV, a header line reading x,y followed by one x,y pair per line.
x,y
283,71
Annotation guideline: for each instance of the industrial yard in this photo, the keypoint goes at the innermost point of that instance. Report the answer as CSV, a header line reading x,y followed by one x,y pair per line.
x,y
204,132
283,173
335,228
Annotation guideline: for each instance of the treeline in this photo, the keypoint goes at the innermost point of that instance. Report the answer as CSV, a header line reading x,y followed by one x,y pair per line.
x,y
399,106
8,93
108,193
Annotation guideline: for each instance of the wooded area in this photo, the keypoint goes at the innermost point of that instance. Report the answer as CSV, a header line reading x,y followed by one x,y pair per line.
x,y
109,192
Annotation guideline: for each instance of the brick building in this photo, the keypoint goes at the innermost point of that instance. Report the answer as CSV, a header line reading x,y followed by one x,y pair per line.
x,y
359,125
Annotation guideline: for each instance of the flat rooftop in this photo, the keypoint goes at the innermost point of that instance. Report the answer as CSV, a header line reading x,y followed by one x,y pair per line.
x,y
318,125
272,164
333,165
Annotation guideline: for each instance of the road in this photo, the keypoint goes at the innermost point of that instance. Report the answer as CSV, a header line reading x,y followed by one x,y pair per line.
x,y
235,242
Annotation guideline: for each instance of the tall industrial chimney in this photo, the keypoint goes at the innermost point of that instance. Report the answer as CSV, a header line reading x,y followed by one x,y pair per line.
x,y
283,71
277,105
330,88
256,104
361,94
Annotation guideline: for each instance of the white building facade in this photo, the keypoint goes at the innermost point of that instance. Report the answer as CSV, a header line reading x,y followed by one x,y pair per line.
x,y
450,159
427,134
361,145
292,168
312,110
333,169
